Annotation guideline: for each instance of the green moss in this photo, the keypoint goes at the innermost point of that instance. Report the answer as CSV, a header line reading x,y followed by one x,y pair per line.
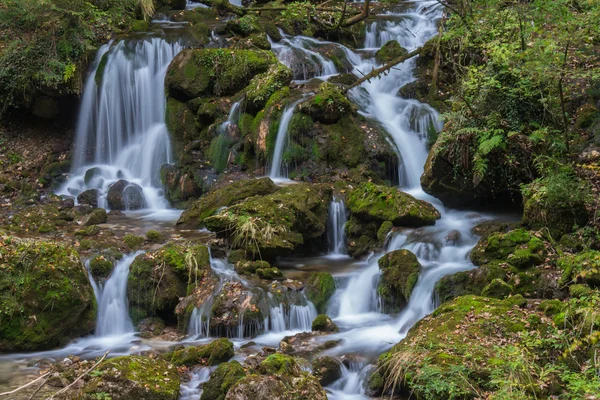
x,y
261,87
224,377
400,271
389,51
45,295
328,105
140,26
133,242
100,266
345,143
154,236
272,273
218,351
381,203
279,364
581,268
320,286
383,231
322,323
98,216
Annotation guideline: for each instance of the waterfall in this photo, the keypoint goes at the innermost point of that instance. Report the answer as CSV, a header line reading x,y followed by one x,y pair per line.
x,y
121,131
277,170
301,317
113,308
199,325
336,224
191,389
296,317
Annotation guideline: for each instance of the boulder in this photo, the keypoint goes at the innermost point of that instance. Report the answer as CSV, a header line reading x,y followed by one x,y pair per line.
x,y
216,352
224,197
323,323
124,195
327,370
389,51
98,216
382,203
319,288
100,266
221,380
157,280
235,303
134,377
45,294
328,105
262,86
400,271
89,197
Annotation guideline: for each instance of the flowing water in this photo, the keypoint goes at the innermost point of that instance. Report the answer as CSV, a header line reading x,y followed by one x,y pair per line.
x,y
336,225
278,170
121,131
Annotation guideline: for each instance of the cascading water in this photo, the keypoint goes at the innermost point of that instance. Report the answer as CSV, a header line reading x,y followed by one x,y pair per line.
x,y
336,224
277,170
191,390
113,309
121,131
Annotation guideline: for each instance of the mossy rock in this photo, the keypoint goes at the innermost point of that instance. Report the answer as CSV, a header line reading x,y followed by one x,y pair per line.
x,y
140,26
276,224
216,352
498,289
389,51
323,323
400,271
328,105
98,216
383,203
221,380
133,242
235,303
133,377
245,26
581,268
279,364
319,288
154,236
327,370
224,197
383,231
261,87
45,296
157,280
271,273
100,266
345,143
181,123
518,247
205,72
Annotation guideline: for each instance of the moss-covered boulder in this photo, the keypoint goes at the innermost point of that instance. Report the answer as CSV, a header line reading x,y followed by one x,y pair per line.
x,y
224,377
133,377
327,370
235,304
581,268
262,86
98,216
276,224
319,288
216,352
328,105
279,377
45,296
389,51
382,203
323,323
224,197
101,265
473,345
158,280
513,262
400,271
205,72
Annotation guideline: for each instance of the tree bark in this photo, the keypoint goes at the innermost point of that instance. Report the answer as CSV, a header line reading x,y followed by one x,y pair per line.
x,y
362,16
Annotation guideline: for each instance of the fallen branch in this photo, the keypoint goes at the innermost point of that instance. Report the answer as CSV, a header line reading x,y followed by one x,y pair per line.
x,y
63,390
39,388
25,385
376,72
356,19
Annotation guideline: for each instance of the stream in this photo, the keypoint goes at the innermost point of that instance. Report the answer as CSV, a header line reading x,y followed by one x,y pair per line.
x,y
128,131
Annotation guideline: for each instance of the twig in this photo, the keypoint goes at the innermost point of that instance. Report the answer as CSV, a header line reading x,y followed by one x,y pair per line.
x,y
39,388
79,377
25,385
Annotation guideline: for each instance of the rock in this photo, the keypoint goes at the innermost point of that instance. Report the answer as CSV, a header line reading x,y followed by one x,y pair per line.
x,y
197,72
453,238
66,204
305,344
92,173
100,266
235,303
151,327
278,223
324,324
390,51
262,86
179,184
45,107
224,197
89,197
272,273
98,216
154,236
258,387
134,377
225,376
400,271
383,203
124,195
319,289
218,248
327,370
328,105
217,352
343,79
158,280
45,294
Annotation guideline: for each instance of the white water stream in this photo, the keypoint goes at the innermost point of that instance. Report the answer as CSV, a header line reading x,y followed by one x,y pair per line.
x,y
278,170
121,131
336,225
